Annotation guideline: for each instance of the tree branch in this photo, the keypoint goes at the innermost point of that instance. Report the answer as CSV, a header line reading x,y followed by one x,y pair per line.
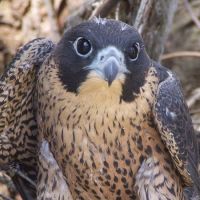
x,y
143,15
180,54
104,8
52,21
192,112
153,20
76,16
194,97
117,10
191,13
4,197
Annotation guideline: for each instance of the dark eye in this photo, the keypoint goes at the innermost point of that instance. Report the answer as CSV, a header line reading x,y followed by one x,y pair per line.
x,y
82,46
133,51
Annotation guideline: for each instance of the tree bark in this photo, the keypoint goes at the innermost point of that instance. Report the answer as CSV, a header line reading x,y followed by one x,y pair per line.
x,y
153,20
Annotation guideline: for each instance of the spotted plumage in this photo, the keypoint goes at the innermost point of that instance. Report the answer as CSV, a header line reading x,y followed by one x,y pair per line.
x,y
50,184
18,128
116,121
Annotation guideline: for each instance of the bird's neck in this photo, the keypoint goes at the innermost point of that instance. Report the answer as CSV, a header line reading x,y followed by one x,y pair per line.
x,y
95,92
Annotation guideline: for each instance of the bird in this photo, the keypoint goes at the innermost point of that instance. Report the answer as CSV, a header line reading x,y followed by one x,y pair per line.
x,y
115,120
18,128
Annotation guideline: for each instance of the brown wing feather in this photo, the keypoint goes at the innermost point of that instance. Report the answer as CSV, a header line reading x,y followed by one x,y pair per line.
x,y
17,122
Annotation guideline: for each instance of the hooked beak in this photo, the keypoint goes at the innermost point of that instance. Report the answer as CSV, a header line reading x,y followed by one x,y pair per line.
x,y
111,69
109,64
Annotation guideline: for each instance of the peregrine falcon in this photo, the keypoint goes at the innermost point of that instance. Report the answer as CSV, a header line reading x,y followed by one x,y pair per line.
x,y
116,121
18,128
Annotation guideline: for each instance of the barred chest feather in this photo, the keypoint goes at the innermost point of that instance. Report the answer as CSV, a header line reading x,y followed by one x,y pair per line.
x,y
99,140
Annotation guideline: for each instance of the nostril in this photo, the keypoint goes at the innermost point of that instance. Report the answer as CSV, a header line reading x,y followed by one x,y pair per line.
x,y
101,58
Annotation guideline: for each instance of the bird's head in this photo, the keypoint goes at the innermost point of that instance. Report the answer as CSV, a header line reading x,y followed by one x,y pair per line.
x,y
104,55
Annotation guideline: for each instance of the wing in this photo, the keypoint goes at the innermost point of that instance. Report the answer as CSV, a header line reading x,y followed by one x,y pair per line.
x,y
175,126
51,182
18,128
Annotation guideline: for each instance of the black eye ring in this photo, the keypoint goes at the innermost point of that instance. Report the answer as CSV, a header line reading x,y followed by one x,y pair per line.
x,y
82,47
133,51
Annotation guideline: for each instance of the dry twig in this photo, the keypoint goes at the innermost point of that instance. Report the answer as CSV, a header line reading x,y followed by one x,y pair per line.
x,y
180,54
143,15
75,17
52,20
194,97
13,170
196,123
190,11
104,8
25,177
192,112
153,21
5,198
117,10
36,16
